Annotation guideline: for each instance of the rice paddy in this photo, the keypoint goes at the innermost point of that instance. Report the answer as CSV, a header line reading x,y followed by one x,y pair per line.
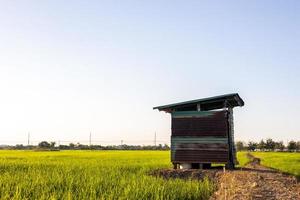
x,y
242,158
283,161
93,175
109,174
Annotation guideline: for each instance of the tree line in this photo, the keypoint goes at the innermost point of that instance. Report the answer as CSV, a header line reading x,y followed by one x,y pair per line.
x,y
45,145
263,145
268,145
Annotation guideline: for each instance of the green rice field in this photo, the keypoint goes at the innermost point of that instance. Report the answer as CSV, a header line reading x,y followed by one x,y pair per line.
x,y
283,161
92,175
242,158
109,174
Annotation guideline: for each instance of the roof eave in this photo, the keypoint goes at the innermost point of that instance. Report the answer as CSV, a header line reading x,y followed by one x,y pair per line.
x,y
169,107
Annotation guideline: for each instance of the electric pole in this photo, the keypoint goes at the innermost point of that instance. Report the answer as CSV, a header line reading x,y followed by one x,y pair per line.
x,y
28,139
155,138
90,139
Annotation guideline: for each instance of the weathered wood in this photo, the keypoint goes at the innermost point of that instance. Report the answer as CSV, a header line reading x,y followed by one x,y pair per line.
x,y
200,135
200,124
232,150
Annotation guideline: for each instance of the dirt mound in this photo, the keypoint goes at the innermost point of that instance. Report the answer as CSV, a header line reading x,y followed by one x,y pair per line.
x,y
253,160
256,182
186,174
253,182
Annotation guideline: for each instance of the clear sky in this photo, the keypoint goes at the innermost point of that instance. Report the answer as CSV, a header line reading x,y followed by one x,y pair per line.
x,y
71,67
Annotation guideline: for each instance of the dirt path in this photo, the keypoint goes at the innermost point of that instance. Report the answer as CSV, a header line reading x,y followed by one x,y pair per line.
x,y
256,182
253,182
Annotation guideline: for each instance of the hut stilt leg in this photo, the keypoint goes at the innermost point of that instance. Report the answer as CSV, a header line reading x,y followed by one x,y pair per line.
x,y
175,165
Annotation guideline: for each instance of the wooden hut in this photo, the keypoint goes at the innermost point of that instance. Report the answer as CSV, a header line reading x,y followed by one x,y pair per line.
x,y
202,131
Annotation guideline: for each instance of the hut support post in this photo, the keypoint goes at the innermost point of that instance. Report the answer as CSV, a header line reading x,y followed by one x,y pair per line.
x,y
175,166
232,152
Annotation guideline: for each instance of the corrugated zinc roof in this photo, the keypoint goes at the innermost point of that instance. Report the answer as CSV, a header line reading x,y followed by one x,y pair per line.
x,y
216,102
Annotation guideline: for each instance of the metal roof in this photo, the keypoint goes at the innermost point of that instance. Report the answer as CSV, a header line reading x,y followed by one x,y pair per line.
x,y
210,103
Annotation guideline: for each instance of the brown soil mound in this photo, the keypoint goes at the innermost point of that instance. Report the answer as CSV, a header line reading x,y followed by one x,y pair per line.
x,y
195,174
256,182
253,182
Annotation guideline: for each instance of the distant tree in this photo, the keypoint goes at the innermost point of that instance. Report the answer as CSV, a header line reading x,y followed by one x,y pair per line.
x,y
77,144
166,147
52,144
72,145
252,146
279,145
63,147
298,146
19,146
44,145
239,146
270,144
261,145
292,145
84,147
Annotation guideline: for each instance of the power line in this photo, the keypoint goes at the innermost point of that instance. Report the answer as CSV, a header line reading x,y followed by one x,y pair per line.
x,y
33,141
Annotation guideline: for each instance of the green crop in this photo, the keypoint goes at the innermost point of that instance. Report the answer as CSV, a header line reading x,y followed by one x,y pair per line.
x,y
93,175
283,161
242,158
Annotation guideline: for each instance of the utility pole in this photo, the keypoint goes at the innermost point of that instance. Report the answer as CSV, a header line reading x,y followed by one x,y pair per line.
x,y
155,138
28,139
121,147
90,139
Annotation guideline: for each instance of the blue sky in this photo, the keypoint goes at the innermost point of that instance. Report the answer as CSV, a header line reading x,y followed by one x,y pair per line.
x,y
68,68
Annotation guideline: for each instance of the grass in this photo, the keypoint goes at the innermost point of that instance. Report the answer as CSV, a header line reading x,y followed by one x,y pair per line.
x,y
283,161
92,175
242,158
109,175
